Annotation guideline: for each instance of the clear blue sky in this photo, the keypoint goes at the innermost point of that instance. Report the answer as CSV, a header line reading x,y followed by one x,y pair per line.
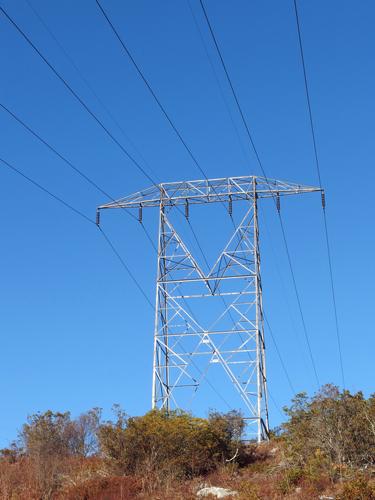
x,y
75,332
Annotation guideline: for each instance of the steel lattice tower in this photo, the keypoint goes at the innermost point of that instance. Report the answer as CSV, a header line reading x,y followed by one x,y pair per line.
x,y
235,338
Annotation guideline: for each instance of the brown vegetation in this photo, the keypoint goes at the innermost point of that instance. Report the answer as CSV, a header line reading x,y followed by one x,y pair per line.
x,y
327,447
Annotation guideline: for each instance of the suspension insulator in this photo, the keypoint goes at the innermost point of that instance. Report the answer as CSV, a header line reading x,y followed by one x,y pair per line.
x,y
230,207
278,202
323,200
140,214
187,209
97,221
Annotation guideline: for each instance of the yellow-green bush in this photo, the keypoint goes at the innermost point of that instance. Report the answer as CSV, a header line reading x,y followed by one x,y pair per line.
x,y
176,442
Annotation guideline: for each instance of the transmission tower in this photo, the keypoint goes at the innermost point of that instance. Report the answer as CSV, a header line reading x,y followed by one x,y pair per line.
x,y
234,339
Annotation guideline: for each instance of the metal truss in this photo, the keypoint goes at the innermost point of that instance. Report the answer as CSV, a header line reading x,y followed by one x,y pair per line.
x,y
234,338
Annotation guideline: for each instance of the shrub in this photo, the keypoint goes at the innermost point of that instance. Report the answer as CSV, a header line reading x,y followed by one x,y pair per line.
x,y
290,479
171,443
341,426
248,490
357,489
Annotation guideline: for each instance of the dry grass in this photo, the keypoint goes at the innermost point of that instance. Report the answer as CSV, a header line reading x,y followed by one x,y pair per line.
x,y
268,476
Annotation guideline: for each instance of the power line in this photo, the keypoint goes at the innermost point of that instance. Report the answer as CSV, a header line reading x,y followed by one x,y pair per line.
x,y
90,87
72,166
163,111
266,178
279,355
77,170
125,266
146,82
232,89
49,193
109,242
59,155
83,216
68,162
89,111
317,163
77,97
152,92
284,293
226,105
299,301
161,107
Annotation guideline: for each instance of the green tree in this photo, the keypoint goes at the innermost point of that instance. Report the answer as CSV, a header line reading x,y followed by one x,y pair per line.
x,y
338,424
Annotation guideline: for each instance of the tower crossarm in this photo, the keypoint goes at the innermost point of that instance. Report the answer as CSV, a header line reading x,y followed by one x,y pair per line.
x,y
226,189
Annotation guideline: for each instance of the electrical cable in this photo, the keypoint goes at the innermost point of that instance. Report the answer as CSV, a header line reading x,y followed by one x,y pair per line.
x,y
242,148
232,89
49,193
299,302
279,355
59,155
87,109
152,92
109,242
77,97
90,87
317,163
146,82
126,267
266,178
82,215
77,170
221,91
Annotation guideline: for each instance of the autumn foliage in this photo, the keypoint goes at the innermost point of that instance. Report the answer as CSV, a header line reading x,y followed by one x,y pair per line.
x,y
325,448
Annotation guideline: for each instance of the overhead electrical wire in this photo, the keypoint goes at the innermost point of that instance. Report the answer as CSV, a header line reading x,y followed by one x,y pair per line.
x,y
102,126
46,191
251,140
243,151
72,91
83,216
165,113
279,356
107,239
59,155
232,89
174,127
73,167
152,92
90,87
221,91
78,98
69,163
317,163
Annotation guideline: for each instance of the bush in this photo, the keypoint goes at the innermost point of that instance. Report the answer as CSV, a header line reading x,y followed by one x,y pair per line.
x,y
290,479
55,434
174,443
357,489
340,426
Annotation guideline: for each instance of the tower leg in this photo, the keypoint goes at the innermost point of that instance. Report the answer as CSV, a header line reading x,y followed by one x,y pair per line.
x,y
160,376
262,396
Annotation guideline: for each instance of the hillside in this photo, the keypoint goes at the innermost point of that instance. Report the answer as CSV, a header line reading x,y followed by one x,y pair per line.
x,y
326,449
